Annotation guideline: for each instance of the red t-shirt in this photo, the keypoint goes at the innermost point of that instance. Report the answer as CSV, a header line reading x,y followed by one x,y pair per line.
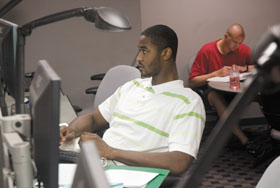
x,y
209,59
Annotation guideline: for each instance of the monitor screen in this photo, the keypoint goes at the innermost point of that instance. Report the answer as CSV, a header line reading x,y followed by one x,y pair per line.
x,y
8,41
89,171
44,107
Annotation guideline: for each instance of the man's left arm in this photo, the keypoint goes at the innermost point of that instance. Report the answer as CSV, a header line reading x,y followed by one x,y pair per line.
x,y
248,65
245,68
177,162
246,53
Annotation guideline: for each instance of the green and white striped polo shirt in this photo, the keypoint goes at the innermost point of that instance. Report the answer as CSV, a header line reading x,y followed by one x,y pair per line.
x,y
164,117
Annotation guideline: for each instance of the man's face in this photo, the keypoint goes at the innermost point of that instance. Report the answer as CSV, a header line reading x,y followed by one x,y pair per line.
x,y
234,41
148,57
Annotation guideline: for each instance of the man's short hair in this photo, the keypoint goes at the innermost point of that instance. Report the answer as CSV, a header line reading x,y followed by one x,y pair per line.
x,y
163,37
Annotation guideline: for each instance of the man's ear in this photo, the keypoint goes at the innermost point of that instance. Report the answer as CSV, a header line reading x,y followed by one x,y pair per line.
x,y
166,53
226,35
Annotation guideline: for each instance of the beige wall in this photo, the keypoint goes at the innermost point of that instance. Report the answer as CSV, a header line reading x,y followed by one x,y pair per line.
x,y
200,21
76,50
73,47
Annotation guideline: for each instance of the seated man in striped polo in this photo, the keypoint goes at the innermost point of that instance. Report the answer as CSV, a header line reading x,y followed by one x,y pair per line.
x,y
154,121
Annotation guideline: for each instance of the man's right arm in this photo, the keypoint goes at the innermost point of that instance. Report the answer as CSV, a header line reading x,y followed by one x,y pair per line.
x,y
202,79
89,122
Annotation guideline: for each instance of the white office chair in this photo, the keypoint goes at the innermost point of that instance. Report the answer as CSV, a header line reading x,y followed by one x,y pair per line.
x,y
114,78
99,77
190,63
270,177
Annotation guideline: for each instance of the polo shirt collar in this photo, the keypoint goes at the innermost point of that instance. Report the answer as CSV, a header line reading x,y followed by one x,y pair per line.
x,y
167,86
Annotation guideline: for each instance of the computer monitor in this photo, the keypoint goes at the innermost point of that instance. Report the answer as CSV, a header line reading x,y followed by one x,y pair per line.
x,y
8,43
44,106
89,171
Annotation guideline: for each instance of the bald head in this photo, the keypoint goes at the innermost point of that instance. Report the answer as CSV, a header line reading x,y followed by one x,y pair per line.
x,y
236,30
233,38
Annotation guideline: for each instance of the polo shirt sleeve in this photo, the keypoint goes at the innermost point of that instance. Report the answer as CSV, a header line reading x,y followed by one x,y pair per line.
x,y
186,131
107,107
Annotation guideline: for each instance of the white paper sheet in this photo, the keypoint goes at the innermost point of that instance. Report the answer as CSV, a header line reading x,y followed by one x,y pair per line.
x,y
245,75
218,79
242,76
72,145
66,172
129,178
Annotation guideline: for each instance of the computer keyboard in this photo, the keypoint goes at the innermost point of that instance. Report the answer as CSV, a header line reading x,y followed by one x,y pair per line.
x,y
68,156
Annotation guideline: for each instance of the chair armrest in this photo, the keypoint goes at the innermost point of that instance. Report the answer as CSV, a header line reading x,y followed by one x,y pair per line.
x,y
77,108
91,90
97,76
208,108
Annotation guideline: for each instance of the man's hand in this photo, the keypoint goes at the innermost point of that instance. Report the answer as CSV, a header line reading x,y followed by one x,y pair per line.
x,y
104,149
223,71
66,134
241,68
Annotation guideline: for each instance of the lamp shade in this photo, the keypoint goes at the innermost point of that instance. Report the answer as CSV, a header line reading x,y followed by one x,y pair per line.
x,y
110,19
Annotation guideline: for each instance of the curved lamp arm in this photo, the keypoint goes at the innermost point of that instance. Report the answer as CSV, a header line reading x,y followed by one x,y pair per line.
x,y
11,4
104,18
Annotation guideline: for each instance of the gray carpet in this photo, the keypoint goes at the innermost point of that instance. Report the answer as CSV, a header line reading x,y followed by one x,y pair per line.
x,y
235,167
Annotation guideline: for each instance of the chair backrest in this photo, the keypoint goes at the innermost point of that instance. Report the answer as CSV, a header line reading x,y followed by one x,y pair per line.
x,y
114,78
190,63
187,70
270,177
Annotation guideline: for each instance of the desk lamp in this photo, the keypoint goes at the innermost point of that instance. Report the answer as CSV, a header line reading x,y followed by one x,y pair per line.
x,y
266,56
104,18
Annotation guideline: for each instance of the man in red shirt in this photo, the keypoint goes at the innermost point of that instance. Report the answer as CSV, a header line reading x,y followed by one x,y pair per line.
x,y
216,59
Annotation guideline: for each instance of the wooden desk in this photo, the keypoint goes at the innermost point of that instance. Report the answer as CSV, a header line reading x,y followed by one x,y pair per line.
x,y
224,86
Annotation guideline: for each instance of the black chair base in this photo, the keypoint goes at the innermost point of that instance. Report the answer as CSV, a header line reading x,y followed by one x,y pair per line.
x,y
271,150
